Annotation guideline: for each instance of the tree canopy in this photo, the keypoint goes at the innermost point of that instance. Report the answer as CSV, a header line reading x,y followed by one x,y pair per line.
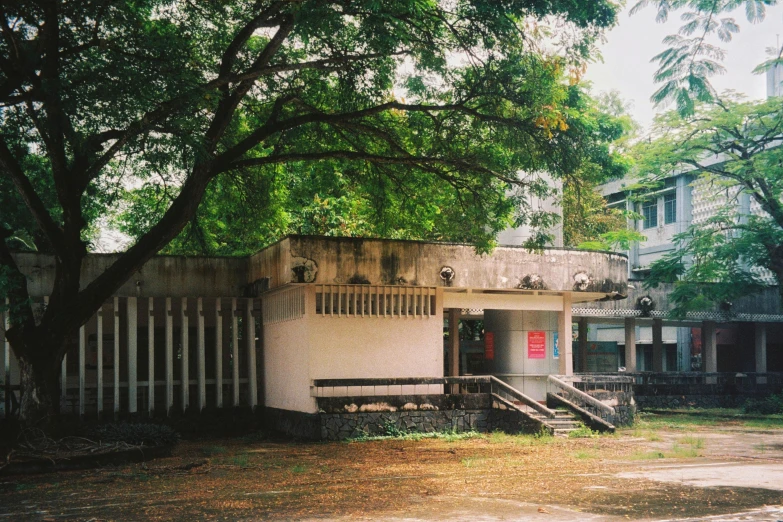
x,y
222,117
692,55
733,149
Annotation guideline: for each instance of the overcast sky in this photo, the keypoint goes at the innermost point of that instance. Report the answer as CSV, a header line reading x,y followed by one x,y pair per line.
x,y
630,46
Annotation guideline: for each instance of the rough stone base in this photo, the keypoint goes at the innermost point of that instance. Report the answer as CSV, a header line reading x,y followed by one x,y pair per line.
x,y
624,405
340,426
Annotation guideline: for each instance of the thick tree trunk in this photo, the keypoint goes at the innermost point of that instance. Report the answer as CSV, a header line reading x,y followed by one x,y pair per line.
x,y
39,391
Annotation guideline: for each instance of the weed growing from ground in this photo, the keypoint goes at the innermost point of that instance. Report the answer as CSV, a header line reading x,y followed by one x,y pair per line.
x,y
582,432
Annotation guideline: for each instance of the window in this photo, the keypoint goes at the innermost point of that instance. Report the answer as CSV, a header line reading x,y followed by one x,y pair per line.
x,y
669,208
650,213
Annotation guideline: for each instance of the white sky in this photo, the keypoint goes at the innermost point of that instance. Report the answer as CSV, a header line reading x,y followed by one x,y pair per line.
x,y
630,46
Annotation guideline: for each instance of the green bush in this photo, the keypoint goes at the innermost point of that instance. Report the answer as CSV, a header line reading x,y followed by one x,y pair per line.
x,y
766,406
141,434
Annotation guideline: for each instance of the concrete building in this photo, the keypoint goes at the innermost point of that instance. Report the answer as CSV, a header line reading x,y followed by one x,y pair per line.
x,y
279,328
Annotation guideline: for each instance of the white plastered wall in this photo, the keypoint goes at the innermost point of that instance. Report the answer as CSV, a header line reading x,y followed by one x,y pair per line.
x,y
325,347
286,365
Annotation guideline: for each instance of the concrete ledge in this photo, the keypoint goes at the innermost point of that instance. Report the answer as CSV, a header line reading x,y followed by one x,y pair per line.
x,y
390,403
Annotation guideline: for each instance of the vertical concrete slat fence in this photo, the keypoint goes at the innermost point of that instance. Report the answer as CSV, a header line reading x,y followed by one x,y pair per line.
x,y
156,353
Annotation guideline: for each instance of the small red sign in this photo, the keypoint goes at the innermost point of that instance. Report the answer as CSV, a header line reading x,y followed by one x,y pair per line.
x,y
489,346
536,345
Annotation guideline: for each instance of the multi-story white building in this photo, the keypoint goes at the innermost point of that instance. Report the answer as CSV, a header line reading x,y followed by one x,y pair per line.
x,y
747,337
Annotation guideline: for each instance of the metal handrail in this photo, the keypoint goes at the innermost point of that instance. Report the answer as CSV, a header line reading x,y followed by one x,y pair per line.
x,y
518,395
592,401
396,381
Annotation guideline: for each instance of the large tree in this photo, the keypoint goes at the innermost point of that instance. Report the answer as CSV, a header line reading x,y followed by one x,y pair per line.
x,y
733,150
198,100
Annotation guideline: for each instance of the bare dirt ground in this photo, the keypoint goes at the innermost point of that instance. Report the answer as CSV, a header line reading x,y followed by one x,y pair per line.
x,y
666,468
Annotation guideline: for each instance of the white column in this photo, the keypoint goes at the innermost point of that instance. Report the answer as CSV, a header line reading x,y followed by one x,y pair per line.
x,y
82,361
218,353
133,334
201,346
151,355
99,359
169,357
250,343
184,340
454,347
235,350
116,360
630,344
565,339
657,339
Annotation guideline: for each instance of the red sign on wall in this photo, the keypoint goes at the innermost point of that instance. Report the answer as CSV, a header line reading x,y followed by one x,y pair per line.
x,y
489,346
536,345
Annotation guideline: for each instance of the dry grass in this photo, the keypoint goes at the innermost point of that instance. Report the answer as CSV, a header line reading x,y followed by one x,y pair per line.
x,y
285,480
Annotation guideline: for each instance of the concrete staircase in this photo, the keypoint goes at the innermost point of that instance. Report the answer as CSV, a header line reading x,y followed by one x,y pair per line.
x,y
562,424
556,422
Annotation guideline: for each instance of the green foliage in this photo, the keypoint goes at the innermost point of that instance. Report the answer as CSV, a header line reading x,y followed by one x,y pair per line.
x,y
713,260
437,160
764,406
582,432
690,58
586,217
614,240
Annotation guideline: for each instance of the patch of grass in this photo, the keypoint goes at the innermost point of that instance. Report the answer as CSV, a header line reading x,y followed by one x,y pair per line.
x,y
655,421
210,451
585,454
299,468
650,435
680,452
582,432
773,422
471,462
23,486
522,439
242,460
693,442
647,455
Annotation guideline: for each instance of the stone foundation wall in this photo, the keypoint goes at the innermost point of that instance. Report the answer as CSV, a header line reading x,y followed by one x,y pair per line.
x,y
341,426
623,402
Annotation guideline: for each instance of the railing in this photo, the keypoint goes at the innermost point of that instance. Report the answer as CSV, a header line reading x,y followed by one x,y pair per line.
x,y
720,378
505,391
397,386
588,382
135,354
579,397
322,388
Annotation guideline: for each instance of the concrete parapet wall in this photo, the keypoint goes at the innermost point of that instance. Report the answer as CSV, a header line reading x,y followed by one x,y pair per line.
x,y
328,260
161,276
